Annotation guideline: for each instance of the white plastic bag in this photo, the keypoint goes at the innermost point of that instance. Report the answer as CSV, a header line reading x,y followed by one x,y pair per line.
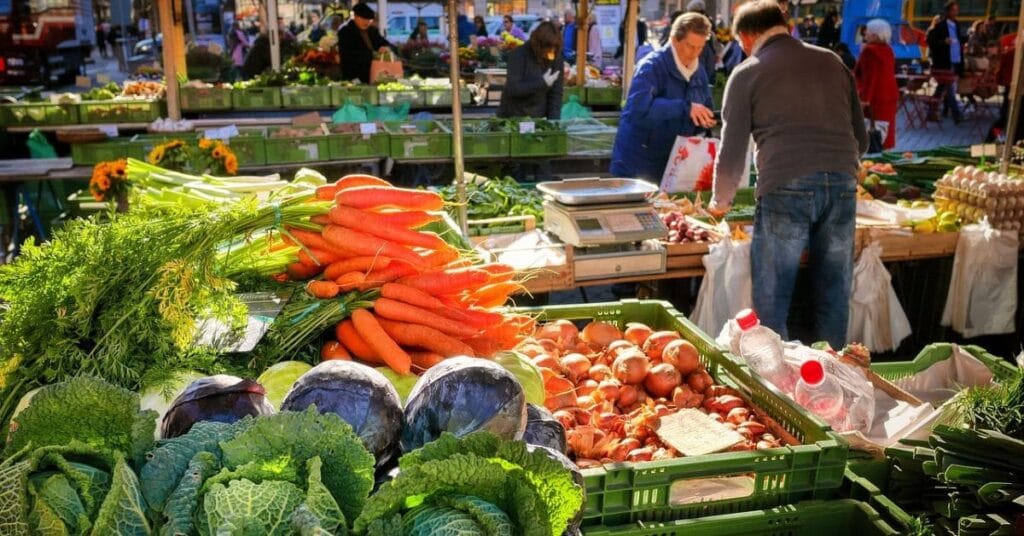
x,y
982,297
726,289
877,319
691,165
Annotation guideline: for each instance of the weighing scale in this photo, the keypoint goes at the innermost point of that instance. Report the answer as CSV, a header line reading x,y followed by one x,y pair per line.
x,y
610,223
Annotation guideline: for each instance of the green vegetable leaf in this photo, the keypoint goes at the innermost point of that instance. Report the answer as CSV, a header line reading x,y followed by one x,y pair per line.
x,y
280,468
123,512
387,526
347,465
483,517
306,523
45,521
13,497
53,494
184,501
319,500
243,507
88,410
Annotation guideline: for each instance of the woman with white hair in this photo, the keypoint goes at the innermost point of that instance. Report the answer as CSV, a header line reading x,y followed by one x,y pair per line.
x,y
876,77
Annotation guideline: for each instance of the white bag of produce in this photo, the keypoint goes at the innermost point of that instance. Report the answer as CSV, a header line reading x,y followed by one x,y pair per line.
x,y
727,287
877,319
982,297
691,165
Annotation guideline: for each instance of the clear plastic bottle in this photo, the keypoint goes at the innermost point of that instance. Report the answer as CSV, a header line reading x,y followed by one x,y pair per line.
x,y
762,349
821,394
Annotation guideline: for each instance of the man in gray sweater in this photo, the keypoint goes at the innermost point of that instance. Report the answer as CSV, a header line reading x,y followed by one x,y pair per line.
x,y
800,104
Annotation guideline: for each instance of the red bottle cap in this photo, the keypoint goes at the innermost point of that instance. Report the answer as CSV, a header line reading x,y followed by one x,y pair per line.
x,y
812,372
747,319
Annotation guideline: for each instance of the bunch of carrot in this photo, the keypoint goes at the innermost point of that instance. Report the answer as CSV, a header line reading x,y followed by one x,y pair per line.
x,y
432,302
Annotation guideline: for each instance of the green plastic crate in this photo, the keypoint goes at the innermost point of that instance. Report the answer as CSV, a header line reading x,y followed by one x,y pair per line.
x,y
306,97
356,146
588,137
205,99
865,481
610,121
27,114
90,154
148,141
844,517
665,490
443,97
429,140
120,111
256,98
250,148
484,144
933,353
569,91
362,95
312,148
391,98
603,96
550,143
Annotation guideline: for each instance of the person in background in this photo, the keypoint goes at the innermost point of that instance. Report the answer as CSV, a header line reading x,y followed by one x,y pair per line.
x,y
875,73
420,33
466,30
569,36
641,37
113,34
666,34
257,60
843,51
481,27
595,54
509,26
828,32
316,31
533,85
808,153
712,52
670,96
946,52
101,41
238,44
809,28
358,41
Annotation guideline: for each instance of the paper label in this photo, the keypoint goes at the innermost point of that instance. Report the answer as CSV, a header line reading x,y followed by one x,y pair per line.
x,y
109,130
312,150
367,128
222,133
988,149
527,127
83,81
700,490
693,433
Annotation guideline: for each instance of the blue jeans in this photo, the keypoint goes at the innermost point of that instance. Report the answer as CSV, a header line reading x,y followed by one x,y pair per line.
x,y
815,213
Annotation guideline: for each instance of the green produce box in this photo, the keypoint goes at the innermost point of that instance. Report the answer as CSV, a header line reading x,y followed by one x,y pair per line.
x,y
90,154
844,517
148,141
941,351
588,137
361,95
419,139
204,99
390,98
865,481
443,97
346,142
603,96
610,121
484,144
304,97
569,91
28,114
546,143
256,98
120,111
313,147
624,493
250,147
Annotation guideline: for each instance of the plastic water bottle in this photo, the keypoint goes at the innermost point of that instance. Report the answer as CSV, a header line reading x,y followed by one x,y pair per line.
x,y
820,394
762,349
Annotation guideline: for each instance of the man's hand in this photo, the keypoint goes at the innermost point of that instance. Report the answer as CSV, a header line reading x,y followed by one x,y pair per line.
x,y
551,76
718,211
701,115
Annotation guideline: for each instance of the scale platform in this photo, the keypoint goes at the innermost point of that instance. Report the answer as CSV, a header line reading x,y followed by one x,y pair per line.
x,y
601,225
619,260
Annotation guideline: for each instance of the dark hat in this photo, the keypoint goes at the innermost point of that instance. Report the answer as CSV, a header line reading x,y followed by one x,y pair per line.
x,y
363,11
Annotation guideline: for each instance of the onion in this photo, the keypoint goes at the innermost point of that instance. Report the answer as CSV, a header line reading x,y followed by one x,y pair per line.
x,y
683,356
609,390
684,397
548,361
662,379
637,333
561,331
655,344
737,415
566,418
628,396
531,349
631,367
600,334
600,373
617,346
576,366
586,402
700,381
586,387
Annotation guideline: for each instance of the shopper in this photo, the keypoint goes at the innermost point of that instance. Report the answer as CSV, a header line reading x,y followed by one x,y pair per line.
x,y
569,37
807,152
419,35
239,45
358,41
595,54
809,29
508,26
101,40
712,50
843,51
466,30
641,37
946,53
875,73
669,97
828,32
533,84
481,27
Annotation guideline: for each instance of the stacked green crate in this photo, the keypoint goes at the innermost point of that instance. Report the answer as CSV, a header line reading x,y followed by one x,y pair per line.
x,y
28,114
546,139
205,99
120,111
357,141
285,147
306,97
419,140
482,138
256,98
360,95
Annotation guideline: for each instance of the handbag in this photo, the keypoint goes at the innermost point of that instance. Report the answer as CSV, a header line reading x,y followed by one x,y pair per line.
x,y
386,67
876,135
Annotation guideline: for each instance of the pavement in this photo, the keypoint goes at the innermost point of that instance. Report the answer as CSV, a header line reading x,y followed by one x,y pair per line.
x,y
971,130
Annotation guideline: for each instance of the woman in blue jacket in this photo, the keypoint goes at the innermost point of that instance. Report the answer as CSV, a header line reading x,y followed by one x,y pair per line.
x,y
668,97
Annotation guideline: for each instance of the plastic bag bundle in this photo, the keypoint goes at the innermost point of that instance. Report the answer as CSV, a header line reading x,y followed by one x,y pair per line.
x,y
349,113
573,109
727,287
398,112
982,297
877,319
39,146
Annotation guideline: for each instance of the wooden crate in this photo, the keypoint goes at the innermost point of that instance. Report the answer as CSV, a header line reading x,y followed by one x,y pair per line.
x,y
902,244
546,279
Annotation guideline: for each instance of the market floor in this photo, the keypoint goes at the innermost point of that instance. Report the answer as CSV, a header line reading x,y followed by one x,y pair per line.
x,y
971,130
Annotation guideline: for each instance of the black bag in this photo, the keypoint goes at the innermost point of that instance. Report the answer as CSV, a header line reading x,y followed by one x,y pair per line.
x,y
874,139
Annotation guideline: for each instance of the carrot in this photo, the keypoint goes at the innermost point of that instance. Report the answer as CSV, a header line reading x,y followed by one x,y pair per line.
x,y
350,281
404,312
423,359
355,264
346,333
324,290
371,224
395,271
410,219
474,317
382,344
326,192
441,257
448,281
357,180
499,272
313,240
321,219
363,244
415,335
412,296
278,245
334,350
484,346
495,294
374,197
317,257
300,272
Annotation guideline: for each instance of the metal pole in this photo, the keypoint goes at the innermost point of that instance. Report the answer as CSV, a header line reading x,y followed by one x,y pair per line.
x,y
453,70
582,13
274,35
628,48
1015,87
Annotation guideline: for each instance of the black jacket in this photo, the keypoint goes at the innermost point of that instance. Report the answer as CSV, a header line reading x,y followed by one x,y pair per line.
x,y
355,56
938,50
525,93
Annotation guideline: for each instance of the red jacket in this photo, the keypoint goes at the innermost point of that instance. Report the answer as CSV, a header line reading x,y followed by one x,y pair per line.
x,y
876,79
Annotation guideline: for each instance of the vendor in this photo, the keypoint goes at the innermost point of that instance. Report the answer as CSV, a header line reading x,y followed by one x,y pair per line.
x,y
668,97
358,41
533,85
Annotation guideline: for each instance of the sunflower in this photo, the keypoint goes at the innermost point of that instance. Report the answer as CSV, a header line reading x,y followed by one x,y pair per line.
x,y
230,164
174,144
205,143
218,152
156,155
103,183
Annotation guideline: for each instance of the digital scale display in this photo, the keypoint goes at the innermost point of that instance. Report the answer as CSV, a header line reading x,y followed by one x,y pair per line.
x,y
589,225
593,225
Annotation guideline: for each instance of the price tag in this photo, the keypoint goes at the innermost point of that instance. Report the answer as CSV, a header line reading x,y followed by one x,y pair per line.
x,y
367,128
312,150
988,149
102,79
527,127
109,130
83,81
222,133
